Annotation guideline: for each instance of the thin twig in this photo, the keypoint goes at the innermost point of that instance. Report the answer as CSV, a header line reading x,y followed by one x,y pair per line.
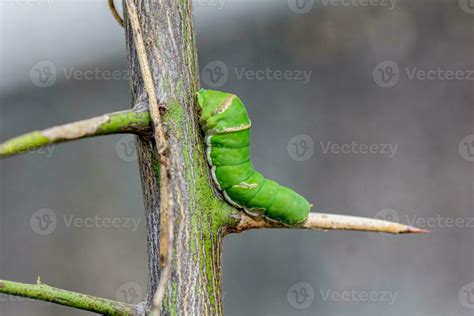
x,y
116,15
320,221
129,121
166,220
47,293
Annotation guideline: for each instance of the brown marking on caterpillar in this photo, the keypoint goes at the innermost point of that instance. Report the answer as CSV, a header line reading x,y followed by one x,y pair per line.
x,y
228,130
225,105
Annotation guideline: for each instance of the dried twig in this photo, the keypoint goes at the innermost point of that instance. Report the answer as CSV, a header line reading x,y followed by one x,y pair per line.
x,y
116,15
166,220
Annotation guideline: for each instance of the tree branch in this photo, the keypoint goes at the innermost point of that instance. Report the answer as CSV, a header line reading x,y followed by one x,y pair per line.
x,y
321,221
130,121
116,15
47,293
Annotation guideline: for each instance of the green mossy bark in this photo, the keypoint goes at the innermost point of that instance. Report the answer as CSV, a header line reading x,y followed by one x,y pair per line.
x,y
209,208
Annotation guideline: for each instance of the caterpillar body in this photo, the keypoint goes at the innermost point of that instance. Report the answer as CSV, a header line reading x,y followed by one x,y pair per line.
x,y
226,125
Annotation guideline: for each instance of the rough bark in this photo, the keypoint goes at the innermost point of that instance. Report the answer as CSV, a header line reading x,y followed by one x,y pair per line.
x,y
199,215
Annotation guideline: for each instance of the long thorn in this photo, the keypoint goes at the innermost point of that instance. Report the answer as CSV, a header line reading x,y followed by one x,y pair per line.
x,y
321,221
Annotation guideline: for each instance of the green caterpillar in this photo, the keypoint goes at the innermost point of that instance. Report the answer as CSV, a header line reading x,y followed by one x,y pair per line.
x,y
226,124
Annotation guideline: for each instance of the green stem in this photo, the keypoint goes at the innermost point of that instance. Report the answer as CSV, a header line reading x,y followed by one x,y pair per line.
x,y
47,293
113,123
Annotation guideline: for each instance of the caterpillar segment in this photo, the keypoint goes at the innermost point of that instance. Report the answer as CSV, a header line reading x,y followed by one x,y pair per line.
x,y
226,124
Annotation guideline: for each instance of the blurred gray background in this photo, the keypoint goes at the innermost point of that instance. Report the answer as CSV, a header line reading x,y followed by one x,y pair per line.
x,y
377,75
